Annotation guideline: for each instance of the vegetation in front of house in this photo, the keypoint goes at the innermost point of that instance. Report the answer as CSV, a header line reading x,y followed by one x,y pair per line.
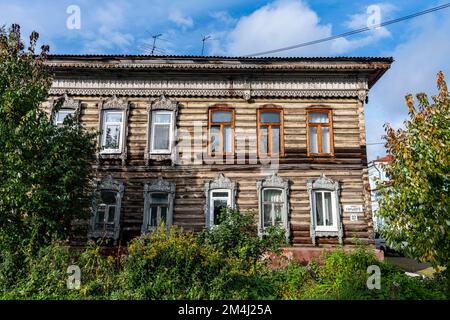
x,y
177,265
415,203
45,170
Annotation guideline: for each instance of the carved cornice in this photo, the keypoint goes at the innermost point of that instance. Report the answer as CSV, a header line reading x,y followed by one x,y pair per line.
x,y
159,185
164,103
115,103
333,87
67,102
109,183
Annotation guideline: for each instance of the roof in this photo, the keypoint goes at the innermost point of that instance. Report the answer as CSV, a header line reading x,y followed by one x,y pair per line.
x,y
375,67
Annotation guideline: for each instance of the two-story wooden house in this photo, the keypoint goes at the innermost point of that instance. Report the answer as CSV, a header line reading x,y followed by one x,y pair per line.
x,y
181,137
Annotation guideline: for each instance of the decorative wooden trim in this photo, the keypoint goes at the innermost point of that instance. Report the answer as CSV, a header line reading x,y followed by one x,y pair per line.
x,y
167,104
158,185
325,183
111,104
319,126
270,108
67,103
107,184
220,108
220,182
275,182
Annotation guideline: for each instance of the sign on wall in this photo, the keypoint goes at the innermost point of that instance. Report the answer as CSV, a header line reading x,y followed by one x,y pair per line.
x,y
353,208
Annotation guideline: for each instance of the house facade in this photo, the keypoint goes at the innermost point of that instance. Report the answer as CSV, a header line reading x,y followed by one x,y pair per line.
x,y
181,137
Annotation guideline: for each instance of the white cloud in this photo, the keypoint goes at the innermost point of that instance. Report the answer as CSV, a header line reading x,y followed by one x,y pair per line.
x,y
181,20
278,24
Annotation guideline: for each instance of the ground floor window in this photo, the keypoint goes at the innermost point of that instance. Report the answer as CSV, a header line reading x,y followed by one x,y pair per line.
x,y
159,195
219,200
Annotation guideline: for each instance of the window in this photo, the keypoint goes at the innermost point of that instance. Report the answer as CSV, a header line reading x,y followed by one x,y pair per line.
x,y
219,199
158,204
106,209
320,132
273,193
161,135
221,131
325,209
270,132
272,207
106,212
112,131
220,193
61,115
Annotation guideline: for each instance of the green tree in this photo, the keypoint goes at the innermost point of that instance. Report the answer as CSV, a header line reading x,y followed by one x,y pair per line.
x,y
415,202
45,170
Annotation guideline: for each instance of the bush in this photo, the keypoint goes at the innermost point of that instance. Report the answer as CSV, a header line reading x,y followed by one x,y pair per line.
x,y
222,263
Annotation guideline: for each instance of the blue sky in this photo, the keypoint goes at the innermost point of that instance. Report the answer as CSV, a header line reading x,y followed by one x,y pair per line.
x,y
420,46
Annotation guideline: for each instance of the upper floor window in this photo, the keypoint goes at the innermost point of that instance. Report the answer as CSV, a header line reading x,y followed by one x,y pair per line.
x,y
220,194
221,131
270,132
66,106
112,131
159,196
161,131
62,114
320,132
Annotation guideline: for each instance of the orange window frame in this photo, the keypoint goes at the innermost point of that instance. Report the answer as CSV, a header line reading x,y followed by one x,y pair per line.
x,y
319,132
269,126
221,124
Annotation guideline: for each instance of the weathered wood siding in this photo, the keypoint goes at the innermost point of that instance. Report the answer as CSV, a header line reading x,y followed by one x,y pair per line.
x,y
348,166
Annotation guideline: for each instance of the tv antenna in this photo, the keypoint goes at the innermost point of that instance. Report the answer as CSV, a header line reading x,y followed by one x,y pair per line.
x,y
155,37
204,38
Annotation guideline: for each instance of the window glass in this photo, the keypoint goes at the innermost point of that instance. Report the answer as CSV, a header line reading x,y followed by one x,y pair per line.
x,y
272,195
326,140
113,117
162,137
215,139
220,194
263,142
329,210
319,209
267,117
218,205
163,215
227,139
161,117
111,214
221,116
318,117
313,144
108,197
112,137
153,216
62,114
159,198
275,139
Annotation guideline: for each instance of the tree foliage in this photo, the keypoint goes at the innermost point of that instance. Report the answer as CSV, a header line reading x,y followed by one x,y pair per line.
x,y
415,203
45,170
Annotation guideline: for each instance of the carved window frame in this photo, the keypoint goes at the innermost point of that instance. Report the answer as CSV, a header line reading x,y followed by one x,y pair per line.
x,y
274,182
120,105
323,183
319,127
163,103
221,108
67,104
156,186
107,184
269,125
222,183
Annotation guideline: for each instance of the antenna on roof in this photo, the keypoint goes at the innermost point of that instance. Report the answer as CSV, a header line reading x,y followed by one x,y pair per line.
x,y
204,38
156,36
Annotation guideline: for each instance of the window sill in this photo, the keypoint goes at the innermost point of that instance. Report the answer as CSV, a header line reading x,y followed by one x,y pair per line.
x,y
327,233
